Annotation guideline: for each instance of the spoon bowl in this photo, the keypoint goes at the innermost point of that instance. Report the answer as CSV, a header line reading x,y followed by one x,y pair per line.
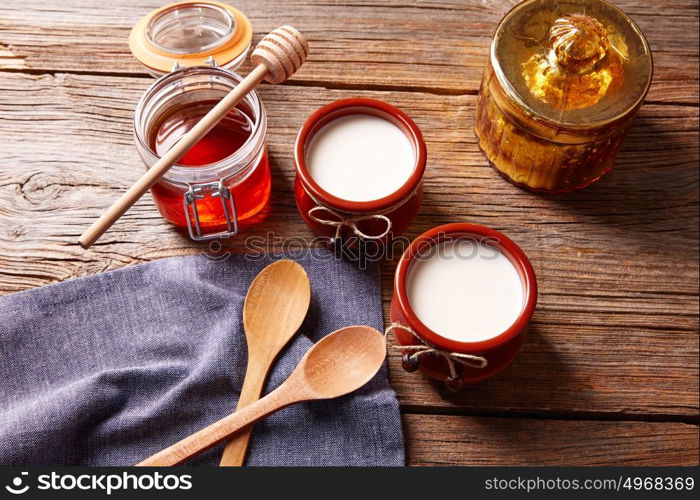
x,y
275,306
343,361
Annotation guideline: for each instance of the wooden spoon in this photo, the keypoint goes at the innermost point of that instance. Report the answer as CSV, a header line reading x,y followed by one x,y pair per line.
x,y
274,309
338,364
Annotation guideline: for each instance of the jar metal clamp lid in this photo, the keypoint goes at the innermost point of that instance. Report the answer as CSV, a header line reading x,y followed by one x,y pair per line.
x,y
214,189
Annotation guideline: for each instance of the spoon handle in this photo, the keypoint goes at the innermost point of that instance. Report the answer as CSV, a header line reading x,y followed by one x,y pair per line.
x,y
222,429
236,448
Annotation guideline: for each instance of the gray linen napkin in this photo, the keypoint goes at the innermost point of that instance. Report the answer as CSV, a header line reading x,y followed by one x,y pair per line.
x,y
108,369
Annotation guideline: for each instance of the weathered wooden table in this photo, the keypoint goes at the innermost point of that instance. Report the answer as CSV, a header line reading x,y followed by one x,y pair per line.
x,y
609,370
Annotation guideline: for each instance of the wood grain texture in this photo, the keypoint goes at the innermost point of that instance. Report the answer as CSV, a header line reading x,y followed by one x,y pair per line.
x,y
436,440
436,46
615,336
616,326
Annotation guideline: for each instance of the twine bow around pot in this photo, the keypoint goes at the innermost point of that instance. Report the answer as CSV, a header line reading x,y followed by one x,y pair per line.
x,y
425,347
349,221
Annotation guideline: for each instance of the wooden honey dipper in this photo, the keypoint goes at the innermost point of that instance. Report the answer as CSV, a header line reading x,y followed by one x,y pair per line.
x,y
277,57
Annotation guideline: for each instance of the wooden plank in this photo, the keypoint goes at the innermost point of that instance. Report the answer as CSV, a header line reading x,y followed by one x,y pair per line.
x,y
439,47
617,322
437,440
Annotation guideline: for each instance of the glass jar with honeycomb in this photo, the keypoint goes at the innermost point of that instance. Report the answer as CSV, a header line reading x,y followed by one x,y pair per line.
x,y
562,85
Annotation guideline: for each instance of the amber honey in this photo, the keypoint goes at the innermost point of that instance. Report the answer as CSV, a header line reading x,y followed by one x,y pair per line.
x,y
224,179
536,162
222,141
563,83
228,136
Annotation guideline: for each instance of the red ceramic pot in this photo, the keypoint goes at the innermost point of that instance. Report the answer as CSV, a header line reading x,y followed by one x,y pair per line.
x,y
379,219
497,351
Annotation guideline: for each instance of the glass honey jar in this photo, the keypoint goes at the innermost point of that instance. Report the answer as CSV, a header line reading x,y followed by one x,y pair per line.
x,y
224,179
563,83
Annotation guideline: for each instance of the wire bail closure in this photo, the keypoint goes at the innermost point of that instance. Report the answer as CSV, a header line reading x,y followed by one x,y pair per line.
x,y
199,192
350,222
411,360
209,62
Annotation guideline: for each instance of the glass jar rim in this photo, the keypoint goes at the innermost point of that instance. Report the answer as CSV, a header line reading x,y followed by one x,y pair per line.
x,y
232,164
506,246
359,105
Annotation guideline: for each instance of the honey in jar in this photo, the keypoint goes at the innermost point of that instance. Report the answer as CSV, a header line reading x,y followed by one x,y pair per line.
x,y
224,179
562,85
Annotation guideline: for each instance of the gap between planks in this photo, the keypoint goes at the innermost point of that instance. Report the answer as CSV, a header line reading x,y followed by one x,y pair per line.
x,y
316,84
555,415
